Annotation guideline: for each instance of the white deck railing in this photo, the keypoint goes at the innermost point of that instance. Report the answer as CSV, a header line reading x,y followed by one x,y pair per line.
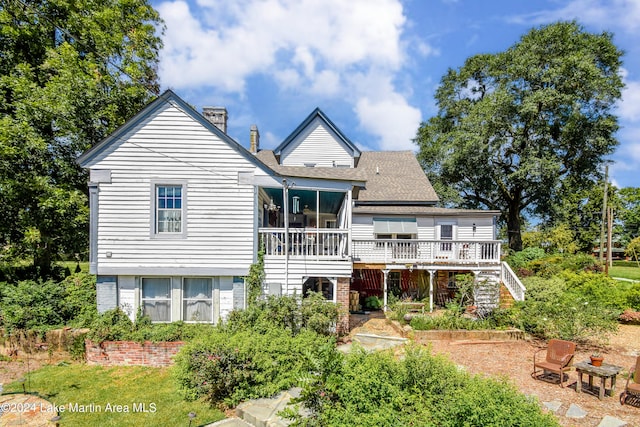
x,y
427,251
512,282
306,242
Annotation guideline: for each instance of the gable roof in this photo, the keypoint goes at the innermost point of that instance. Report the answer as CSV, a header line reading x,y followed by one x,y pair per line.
x,y
396,177
151,108
317,113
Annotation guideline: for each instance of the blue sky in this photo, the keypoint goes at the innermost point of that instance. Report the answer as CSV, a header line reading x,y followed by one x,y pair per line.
x,y
371,65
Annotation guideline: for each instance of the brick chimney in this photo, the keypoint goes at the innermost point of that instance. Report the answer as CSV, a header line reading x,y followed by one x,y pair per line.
x,y
254,139
216,115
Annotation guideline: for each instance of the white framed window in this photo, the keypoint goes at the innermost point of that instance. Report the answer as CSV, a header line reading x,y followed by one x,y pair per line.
x,y
168,209
156,298
197,299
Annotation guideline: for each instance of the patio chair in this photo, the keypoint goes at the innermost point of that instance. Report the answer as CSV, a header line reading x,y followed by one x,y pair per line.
x,y
632,388
558,360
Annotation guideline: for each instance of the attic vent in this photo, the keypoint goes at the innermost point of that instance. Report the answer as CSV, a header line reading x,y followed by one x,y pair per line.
x,y
309,165
216,115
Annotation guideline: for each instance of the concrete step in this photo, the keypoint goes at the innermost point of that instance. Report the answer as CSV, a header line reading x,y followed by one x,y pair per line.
x,y
230,422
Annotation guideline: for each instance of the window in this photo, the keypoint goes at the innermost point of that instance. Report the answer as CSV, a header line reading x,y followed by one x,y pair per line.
x,y
156,299
446,233
168,209
322,285
197,300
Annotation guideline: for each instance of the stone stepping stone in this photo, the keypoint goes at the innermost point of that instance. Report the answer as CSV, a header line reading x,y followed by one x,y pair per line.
x,y
609,421
553,406
575,411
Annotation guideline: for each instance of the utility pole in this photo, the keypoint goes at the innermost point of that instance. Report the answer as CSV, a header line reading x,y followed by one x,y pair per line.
x,y
604,212
609,238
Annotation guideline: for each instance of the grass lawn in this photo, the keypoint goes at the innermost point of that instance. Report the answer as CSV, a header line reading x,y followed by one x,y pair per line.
x,y
632,273
108,387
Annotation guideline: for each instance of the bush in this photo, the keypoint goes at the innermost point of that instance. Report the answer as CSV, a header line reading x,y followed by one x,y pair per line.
x,y
227,367
522,258
450,321
291,313
376,389
45,305
553,310
115,325
373,302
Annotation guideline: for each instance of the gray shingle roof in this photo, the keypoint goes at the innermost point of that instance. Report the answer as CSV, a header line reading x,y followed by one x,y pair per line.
x,y
394,176
420,210
341,174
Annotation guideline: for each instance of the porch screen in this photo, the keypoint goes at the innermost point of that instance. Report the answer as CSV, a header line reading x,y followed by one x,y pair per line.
x,y
395,226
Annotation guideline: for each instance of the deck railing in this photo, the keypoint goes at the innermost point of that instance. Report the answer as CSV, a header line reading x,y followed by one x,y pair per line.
x,y
512,282
429,251
333,243
306,242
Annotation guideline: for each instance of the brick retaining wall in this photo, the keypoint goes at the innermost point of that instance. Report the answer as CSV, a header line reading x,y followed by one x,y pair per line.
x,y
129,353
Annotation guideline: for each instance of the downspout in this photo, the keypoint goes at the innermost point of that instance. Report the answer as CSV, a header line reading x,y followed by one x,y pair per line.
x,y
285,196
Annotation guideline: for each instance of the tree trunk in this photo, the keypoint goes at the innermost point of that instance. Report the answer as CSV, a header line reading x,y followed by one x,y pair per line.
x,y
513,226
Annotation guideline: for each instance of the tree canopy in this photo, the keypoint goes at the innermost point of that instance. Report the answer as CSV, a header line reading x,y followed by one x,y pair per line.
x,y
518,130
70,73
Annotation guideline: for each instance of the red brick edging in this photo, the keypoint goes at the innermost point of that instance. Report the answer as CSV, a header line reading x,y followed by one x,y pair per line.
x,y
130,353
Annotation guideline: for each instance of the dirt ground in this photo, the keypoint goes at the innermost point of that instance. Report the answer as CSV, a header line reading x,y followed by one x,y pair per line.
x,y
513,361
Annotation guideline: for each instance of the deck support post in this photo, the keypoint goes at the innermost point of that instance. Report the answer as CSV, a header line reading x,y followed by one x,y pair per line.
x,y
431,273
385,289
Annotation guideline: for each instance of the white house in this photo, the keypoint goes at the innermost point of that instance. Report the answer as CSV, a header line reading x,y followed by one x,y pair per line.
x,y
179,211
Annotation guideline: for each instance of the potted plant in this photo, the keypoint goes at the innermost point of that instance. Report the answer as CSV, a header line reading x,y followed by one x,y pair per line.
x,y
596,358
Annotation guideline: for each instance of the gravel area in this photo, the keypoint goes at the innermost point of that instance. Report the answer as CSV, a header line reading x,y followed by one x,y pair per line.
x,y
513,362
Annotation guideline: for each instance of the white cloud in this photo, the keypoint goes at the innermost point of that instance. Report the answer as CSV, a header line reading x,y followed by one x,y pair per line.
x,y
332,49
614,14
629,106
308,35
393,119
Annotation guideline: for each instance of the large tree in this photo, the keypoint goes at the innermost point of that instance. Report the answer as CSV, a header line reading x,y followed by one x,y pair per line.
x,y
518,130
71,71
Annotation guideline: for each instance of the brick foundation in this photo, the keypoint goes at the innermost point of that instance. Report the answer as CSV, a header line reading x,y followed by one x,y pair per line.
x,y
130,353
344,285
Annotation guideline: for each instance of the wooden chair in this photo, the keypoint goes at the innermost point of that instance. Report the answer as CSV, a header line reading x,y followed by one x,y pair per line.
x,y
559,359
632,388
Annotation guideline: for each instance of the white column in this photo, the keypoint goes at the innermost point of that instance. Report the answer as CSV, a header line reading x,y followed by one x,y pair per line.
x,y
431,273
384,292
285,204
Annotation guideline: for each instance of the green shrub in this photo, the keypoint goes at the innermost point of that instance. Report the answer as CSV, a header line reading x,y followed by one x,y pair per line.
x,y
450,321
291,313
376,389
522,258
373,302
115,325
30,305
553,310
112,325
45,305
227,367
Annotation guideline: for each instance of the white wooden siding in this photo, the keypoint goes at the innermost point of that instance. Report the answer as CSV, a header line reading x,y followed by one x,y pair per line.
x,y
220,213
319,145
274,269
362,227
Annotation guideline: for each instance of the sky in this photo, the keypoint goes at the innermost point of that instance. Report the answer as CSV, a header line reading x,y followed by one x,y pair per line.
x,y
372,66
